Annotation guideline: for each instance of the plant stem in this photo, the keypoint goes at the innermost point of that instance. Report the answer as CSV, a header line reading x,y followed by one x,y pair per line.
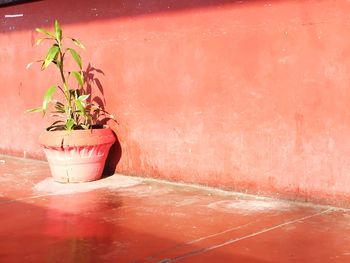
x,y
65,84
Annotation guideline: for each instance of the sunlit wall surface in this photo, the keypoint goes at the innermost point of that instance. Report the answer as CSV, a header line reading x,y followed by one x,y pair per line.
x,y
243,95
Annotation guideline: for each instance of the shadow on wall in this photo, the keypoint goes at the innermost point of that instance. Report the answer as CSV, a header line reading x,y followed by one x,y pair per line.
x,y
93,83
42,13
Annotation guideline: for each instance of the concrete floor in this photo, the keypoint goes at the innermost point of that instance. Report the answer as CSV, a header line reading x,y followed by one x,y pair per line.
x,y
125,219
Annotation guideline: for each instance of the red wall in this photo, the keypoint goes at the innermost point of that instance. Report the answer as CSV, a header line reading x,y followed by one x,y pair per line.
x,y
245,95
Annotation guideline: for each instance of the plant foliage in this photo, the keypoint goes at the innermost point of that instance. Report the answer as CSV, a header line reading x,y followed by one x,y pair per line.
x,y
76,111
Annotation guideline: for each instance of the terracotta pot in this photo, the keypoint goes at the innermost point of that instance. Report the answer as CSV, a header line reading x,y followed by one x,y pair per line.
x,y
77,156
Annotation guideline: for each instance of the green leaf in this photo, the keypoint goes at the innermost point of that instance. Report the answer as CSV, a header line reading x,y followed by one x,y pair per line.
x,y
59,104
47,97
59,107
55,125
51,54
38,42
75,93
58,31
80,106
31,63
79,78
76,57
57,115
69,124
56,122
40,109
77,43
84,97
44,31
58,63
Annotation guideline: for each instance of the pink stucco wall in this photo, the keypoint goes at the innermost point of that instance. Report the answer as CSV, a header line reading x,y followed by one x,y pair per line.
x,y
243,95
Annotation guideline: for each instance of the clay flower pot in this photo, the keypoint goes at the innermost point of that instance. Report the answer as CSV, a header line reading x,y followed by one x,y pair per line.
x,y
77,155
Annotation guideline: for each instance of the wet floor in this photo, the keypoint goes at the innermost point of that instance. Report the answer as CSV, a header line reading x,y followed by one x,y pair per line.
x,y
126,219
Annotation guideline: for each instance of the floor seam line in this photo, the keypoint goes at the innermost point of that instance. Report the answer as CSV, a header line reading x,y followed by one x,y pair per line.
x,y
265,230
200,239
219,233
29,198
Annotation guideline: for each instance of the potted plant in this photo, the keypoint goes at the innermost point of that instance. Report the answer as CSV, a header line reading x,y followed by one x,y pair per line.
x,y
75,146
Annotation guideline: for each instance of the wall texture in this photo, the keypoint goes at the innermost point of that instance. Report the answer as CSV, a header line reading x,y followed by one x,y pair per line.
x,y
245,95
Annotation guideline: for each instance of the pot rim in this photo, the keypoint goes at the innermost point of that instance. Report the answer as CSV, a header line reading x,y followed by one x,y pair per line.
x,y
77,138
